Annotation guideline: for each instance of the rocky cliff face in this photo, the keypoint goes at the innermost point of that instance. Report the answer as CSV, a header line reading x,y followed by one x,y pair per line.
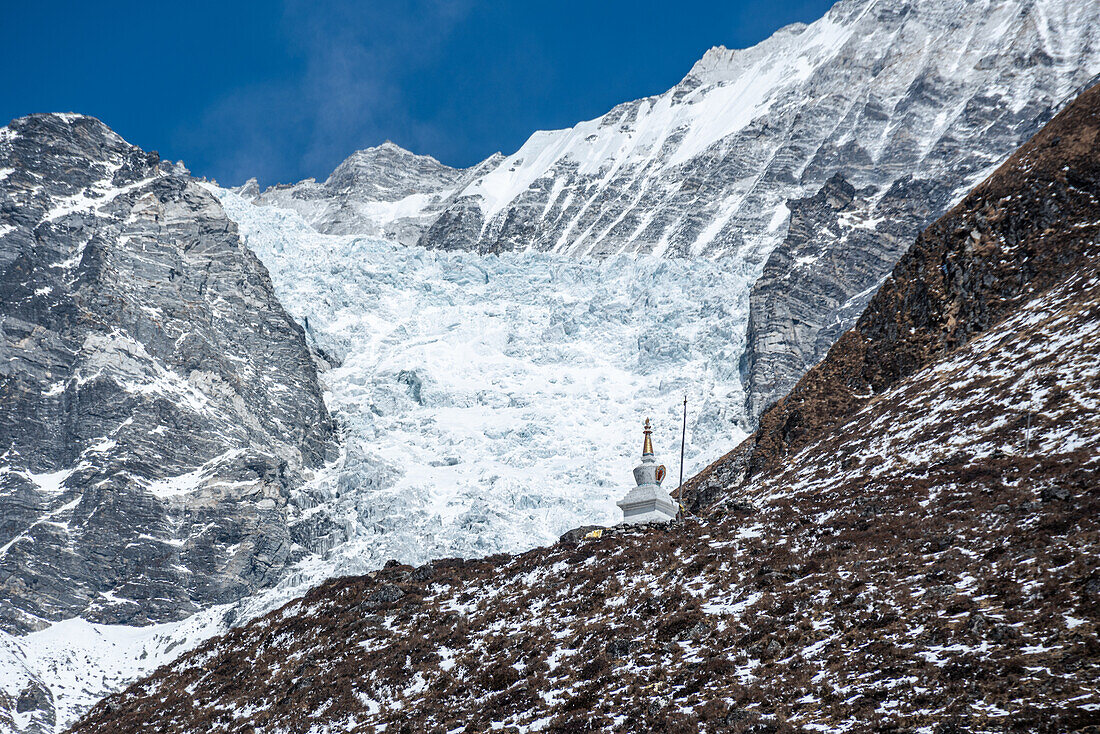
x,y
158,403
911,103
384,191
839,244
928,561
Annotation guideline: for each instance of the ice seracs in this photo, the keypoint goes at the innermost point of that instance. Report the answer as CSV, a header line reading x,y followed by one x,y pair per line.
x,y
648,502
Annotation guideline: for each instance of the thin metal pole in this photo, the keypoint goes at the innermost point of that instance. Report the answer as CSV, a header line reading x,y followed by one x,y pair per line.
x,y
1027,431
683,440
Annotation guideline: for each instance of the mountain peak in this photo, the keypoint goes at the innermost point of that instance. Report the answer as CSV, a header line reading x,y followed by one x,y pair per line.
x,y
388,150
66,117
61,125
390,147
714,64
385,166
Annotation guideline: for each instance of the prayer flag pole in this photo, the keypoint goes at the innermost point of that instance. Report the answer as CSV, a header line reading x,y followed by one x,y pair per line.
x,y
683,440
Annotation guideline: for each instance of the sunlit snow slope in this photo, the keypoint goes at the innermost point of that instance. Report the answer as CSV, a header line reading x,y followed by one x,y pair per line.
x,y
880,91
489,403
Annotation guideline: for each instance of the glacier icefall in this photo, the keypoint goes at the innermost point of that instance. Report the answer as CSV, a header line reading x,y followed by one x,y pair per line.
x,y
491,402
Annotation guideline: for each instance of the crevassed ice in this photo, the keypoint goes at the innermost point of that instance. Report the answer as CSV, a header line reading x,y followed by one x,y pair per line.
x,y
490,403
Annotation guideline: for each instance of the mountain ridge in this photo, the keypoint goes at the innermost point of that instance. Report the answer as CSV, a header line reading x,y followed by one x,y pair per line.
x,y
914,102
924,564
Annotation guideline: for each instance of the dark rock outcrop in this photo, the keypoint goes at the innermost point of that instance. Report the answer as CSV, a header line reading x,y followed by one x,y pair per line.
x,y
158,405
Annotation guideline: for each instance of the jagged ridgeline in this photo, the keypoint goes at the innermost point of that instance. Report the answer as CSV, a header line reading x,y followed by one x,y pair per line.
x,y
914,546
156,402
814,157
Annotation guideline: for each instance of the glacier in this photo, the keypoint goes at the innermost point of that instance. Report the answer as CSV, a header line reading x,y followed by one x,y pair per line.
x,y
489,403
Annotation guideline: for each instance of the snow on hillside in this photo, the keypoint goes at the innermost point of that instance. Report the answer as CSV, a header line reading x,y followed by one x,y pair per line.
x,y
74,663
78,661
910,591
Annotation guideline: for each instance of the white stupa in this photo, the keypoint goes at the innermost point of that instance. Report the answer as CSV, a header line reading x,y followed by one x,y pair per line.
x,y
648,502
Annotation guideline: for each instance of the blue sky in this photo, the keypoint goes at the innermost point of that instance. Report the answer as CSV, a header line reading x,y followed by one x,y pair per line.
x,y
286,90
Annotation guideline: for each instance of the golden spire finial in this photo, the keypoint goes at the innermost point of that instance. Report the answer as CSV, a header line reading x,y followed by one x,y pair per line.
x,y
647,447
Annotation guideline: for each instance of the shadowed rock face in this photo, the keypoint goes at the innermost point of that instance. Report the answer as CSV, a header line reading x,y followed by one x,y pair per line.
x,y
838,247
157,402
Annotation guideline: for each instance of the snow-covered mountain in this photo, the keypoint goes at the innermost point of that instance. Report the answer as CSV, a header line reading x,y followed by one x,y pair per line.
x,y
876,90
915,547
486,379
158,401
911,102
